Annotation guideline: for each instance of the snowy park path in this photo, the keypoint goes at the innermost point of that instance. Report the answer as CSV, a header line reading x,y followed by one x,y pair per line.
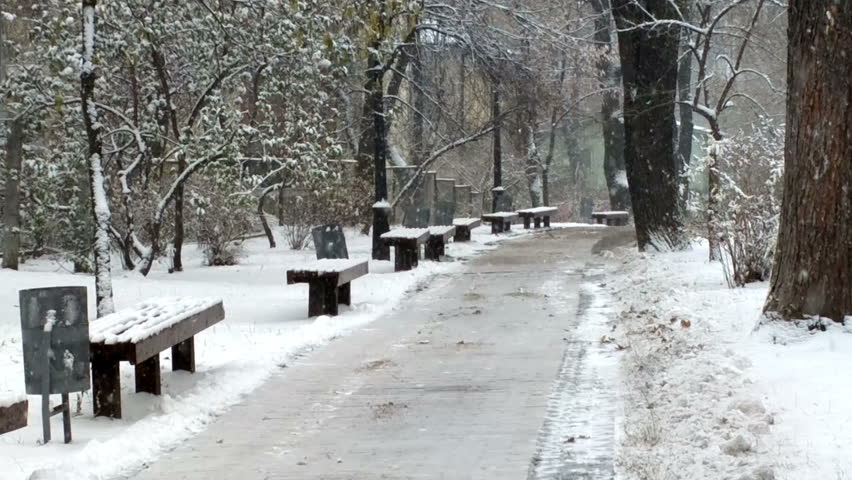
x,y
455,384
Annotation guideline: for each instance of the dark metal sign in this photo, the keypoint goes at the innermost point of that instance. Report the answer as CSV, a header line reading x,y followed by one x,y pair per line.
x,y
329,242
55,334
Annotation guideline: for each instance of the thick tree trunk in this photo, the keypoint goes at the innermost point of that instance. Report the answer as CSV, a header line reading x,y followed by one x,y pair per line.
x,y
649,71
497,149
177,260
417,148
11,212
100,204
381,220
687,125
609,80
813,263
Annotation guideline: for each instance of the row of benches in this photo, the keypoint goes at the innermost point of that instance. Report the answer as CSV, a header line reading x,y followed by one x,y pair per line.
x,y
139,334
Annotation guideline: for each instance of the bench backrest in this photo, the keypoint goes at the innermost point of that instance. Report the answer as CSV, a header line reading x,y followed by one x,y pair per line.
x,y
504,202
444,213
329,242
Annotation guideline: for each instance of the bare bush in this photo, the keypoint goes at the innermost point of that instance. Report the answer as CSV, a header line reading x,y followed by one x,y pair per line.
x,y
751,166
221,220
341,201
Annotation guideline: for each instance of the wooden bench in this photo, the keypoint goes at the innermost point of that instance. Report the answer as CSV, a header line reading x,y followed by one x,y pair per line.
x,y
613,218
437,242
13,414
537,214
329,283
406,246
138,335
500,221
464,227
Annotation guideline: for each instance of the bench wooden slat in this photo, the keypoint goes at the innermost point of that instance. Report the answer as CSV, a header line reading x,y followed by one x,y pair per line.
x,y
13,416
135,351
342,273
406,234
442,231
537,212
500,221
467,222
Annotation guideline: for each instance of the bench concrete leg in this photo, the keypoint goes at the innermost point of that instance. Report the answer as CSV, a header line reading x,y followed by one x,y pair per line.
x,y
496,227
537,222
322,298
507,226
106,386
406,257
344,294
462,234
148,376
599,220
546,222
183,355
527,222
434,249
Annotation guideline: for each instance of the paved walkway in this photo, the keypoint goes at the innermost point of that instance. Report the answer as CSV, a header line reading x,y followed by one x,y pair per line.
x,y
456,385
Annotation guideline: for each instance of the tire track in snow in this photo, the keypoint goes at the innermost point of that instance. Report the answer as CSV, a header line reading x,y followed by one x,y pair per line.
x,y
577,439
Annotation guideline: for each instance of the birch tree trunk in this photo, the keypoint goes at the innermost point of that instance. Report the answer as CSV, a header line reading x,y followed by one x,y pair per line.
x,y
100,205
813,262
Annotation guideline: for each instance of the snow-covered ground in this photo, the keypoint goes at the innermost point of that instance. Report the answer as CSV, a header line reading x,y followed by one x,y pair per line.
x,y
710,393
265,326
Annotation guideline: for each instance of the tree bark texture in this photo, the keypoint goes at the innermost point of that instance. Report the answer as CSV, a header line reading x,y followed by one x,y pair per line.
x,y
649,71
813,263
497,149
381,220
687,124
611,125
11,203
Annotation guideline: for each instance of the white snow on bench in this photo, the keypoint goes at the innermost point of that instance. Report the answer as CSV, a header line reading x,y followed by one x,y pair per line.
x,y
9,398
614,213
500,215
441,230
406,233
538,210
330,265
465,222
146,319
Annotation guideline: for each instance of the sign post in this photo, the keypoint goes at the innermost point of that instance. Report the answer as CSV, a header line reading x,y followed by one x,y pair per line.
x,y
55,334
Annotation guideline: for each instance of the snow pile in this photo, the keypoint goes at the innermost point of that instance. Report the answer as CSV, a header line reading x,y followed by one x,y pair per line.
x,y
710,394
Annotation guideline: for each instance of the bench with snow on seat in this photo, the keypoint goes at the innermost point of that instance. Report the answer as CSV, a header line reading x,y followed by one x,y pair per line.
x,y
328,283
500,221
464,227
612,218
406,246
13,412
537,214
137,335
436,244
